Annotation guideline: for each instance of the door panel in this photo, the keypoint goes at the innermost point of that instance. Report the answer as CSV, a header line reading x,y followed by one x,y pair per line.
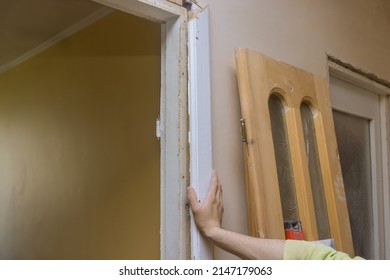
x,y
262,79
357,120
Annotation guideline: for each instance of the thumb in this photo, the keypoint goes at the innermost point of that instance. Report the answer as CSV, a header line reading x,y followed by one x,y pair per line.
x,y
192,198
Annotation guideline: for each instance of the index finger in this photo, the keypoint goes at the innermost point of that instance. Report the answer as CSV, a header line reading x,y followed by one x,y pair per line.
x,y
213,183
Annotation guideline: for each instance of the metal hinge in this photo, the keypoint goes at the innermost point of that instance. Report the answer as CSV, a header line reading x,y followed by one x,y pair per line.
x,y
158,128
243,131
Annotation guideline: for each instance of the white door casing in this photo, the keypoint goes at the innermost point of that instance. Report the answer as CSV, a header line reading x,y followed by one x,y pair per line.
x,y
200,121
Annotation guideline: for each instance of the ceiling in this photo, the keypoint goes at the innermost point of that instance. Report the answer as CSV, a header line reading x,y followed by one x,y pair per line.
x,y
26,24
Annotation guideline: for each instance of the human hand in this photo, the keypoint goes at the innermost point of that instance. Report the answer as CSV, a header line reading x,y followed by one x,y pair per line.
x,y
208,214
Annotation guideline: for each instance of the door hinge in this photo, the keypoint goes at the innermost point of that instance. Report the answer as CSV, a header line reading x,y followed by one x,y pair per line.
x,y
158,128
243,131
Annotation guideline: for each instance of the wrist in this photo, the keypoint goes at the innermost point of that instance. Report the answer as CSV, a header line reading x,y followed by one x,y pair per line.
x,y
212,233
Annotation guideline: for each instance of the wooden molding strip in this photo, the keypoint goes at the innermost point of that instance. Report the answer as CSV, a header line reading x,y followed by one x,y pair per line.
x,y
363,73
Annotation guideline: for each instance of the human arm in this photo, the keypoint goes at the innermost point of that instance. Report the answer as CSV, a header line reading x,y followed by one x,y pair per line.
x,y
208,217
303,250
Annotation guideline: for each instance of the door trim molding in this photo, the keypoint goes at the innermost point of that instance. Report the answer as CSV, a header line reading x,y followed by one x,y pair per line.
x,y
350,76
200,121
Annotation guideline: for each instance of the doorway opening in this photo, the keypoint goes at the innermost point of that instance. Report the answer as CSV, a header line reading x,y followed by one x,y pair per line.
x,y
84,173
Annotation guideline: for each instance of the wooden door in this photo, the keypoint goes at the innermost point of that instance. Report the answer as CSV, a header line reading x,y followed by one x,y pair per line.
x,y
292,165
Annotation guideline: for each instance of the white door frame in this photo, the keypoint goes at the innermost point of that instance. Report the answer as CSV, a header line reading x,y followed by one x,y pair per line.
x,y
178,161
172,129
345,74
174,240
200,120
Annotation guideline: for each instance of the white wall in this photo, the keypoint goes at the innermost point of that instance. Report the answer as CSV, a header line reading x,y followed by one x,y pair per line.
x,y
299,32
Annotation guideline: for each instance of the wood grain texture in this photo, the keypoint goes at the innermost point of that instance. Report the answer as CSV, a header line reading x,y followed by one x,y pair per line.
x,y
258,77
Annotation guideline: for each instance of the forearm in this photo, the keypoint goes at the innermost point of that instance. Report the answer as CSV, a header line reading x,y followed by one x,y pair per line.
x,y
208,217
247,247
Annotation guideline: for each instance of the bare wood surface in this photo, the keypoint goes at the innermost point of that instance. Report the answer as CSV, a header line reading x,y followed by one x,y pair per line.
x,y
258,77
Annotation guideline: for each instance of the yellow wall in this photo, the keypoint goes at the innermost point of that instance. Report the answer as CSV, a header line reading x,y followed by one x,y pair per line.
x,y
79,159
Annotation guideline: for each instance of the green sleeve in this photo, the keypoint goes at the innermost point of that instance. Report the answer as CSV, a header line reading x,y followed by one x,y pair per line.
x,y
304,250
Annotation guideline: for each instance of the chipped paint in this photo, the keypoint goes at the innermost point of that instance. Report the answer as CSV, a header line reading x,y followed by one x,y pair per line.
x,y
360,71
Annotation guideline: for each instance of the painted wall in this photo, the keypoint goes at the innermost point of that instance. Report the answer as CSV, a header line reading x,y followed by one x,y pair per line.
x,y
79,159
298,32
